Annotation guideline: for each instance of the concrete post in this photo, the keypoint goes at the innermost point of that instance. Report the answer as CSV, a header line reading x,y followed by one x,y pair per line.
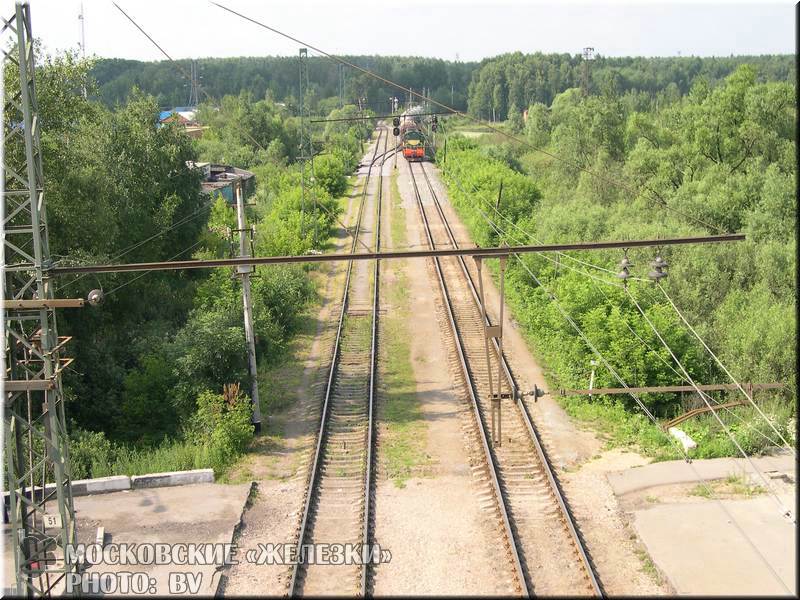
x,y
244,271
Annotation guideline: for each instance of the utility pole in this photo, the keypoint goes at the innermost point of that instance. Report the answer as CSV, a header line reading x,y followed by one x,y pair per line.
x,y
83,33
245,238
194,86
588,56
340,72
304,148
83,43
41,511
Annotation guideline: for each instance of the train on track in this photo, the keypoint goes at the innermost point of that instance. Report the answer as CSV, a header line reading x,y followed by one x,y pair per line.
x,y
413,139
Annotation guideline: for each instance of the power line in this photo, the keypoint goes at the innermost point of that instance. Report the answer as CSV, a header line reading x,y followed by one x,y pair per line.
x,y
727,372
186,75
785,512
748,424
504,233
500,231
347,256
132,247
527,234
184,251
708,490
495,129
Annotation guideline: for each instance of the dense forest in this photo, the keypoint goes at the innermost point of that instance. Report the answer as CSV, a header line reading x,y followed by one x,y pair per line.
x,y
512,82
489,89
616,166
277,77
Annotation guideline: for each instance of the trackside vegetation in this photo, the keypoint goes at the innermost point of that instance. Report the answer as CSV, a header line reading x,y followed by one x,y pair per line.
x,y
145,392
703,145
717,159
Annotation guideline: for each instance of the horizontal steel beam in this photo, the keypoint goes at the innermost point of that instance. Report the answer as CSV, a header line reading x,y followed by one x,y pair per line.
x,y
45,303
665,389
314,258
378,117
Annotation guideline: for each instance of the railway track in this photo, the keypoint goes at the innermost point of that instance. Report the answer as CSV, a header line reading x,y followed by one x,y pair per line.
x,y
543,543
338,507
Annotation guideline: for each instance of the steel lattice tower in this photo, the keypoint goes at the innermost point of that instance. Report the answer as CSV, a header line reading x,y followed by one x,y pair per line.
x,y
36,451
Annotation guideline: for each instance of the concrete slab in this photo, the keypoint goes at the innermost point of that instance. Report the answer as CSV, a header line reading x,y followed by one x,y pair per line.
x,y
101,485
172,478
191,514
678,471
692,540
701,552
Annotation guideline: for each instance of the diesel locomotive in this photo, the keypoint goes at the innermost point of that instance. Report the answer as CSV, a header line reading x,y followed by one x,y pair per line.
x,y
413,141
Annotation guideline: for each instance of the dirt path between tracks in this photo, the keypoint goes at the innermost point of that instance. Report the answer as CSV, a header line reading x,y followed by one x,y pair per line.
x,y
432,521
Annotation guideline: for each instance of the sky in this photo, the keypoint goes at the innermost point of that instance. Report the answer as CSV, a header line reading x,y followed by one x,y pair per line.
x,y
448,29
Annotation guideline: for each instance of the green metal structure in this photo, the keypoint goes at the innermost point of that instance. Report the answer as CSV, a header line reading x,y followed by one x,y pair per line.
x,y
36,456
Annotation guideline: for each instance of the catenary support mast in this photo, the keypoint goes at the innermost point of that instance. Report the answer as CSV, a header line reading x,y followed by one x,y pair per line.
x,y
37,477
244,272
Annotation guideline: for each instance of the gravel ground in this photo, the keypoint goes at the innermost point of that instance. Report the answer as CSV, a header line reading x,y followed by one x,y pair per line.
x,y
440,529
435,528
281,474
618,555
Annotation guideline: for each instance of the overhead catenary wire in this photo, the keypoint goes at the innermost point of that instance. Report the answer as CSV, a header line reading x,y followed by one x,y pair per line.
x,y
530,236
184,251
183,71
724,368
701,482
486,124
749,424
527,234
506,234
197,213
784,511
649,414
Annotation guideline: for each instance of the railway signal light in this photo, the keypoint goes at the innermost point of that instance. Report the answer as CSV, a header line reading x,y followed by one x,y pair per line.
x,y
396,121
396,131
434,123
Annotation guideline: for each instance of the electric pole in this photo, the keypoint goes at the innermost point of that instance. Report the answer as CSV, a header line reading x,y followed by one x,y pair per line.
x,y
37,478
245,238
340,73
82,19
305,150
194,85
83,33
588,56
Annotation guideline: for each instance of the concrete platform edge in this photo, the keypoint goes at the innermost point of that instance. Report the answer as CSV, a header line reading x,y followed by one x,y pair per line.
x,y
172,478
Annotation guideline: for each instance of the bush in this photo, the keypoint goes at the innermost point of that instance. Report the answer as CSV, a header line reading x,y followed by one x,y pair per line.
x,y
331,175
218,434
222,425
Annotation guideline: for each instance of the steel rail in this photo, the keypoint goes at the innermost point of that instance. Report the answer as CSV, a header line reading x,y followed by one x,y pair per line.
x,y
344,256
322,434
473,393
373,369
534,434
